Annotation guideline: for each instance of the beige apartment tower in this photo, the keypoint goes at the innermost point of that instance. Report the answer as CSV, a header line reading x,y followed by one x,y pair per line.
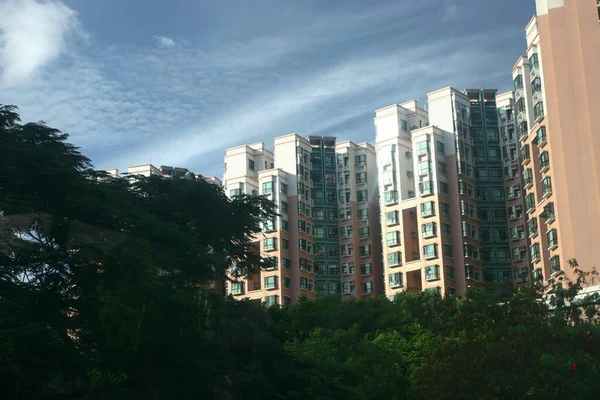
x,y
557,93
325,239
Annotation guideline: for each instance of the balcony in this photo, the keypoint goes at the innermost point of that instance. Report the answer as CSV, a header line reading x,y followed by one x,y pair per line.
x,y
523,130
548,213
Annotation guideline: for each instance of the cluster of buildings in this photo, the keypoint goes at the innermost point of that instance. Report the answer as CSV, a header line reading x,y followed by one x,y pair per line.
x,y
472,189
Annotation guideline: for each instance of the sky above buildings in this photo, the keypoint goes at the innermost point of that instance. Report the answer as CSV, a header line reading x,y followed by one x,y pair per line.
x,y
176,82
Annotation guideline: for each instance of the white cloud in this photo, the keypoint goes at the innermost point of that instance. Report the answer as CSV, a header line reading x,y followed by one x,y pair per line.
x,y
163,41
130,105
32,35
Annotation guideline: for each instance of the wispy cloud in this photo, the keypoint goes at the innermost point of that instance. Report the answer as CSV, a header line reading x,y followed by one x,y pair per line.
x,y
450,10
183,104
163,41
32,35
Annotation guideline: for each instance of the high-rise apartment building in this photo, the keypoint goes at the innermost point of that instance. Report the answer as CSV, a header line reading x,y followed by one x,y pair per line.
x,y
446,207
320,243
513,160
359,229
557,93
421,229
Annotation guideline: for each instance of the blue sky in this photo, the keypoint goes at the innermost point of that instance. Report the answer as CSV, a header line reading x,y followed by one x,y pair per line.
x,y
176,82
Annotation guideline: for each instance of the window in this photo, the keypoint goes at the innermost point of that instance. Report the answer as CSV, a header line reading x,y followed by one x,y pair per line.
x,y
519,253
432,272
332,233
541,136
518,82
365,269
287,263
449,272
270,282
447,250
496,174
284,207
237,287
284,188
528,177
318,214
285,244
394,259
305,245
404,125
546,187
332,215
333,251
424,167
533,61
482,174
538,110
251,165
554,264
534,252
497,194
269,225
236,192
348,268
319,250
428,209
361,195
365,250
395,279
499,214
363,214
347,249
532,227
544,160
530,202
286,283
423,147
552,237
390,197
517,232
443,188
392,238
319,232
445,209
363,232
442,168
334,269
348,287
391,218
430,251
440,147
270,244
360,160
428,230
446,230
367,287
361,177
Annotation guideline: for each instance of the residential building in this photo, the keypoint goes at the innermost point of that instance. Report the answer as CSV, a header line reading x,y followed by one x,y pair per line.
x,y
164,171
514,157
450,189
557,94
288,239
421,232
316,251
359,228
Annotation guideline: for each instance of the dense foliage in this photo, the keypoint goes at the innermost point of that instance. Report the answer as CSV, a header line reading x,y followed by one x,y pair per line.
x,y
104,302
